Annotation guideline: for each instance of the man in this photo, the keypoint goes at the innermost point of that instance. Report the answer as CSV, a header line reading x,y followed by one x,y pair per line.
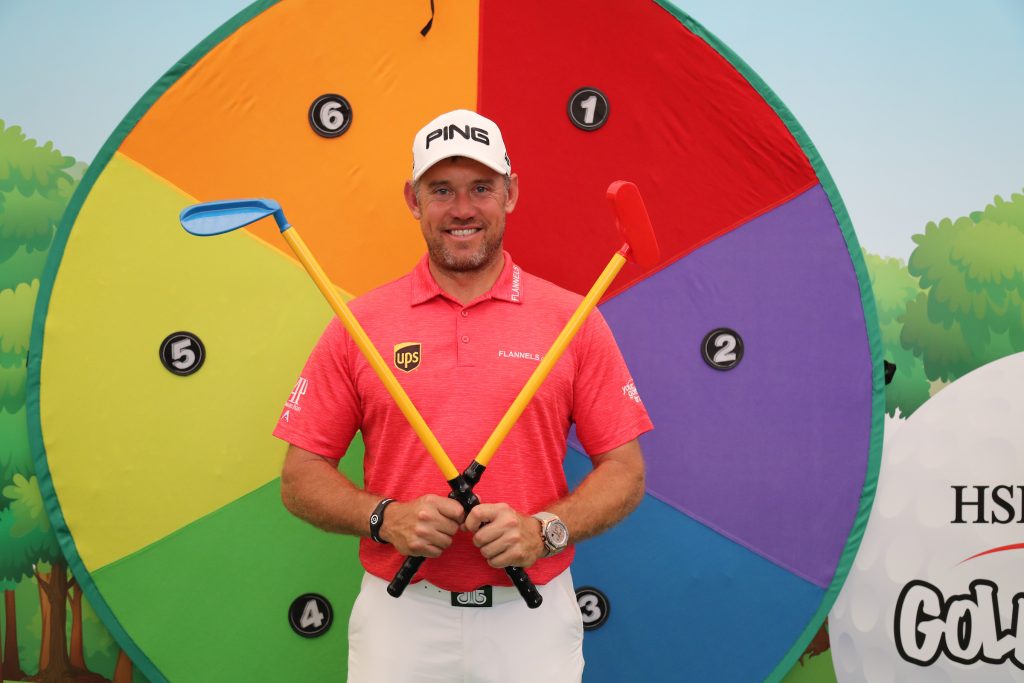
x,y
464,330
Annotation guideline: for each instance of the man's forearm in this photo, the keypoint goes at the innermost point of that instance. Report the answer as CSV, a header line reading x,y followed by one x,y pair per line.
x,y
605,496
313,489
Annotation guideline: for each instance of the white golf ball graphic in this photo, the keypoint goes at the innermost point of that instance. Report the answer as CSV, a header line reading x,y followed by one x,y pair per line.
x,y
950,489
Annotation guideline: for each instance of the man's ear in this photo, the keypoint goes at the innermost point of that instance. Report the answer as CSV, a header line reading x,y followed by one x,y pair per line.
x,y
513,193
411,200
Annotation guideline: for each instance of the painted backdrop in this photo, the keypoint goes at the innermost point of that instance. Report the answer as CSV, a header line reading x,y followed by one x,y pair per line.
x,y
893,99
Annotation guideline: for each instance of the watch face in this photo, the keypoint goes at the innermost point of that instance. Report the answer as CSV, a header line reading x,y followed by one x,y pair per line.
x,y
557,534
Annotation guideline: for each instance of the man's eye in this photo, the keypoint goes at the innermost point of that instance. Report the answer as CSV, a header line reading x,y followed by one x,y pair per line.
x,y
481,189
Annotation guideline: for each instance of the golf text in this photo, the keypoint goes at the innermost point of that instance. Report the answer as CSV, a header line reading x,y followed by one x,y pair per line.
x,y
991,504
965,628
449,131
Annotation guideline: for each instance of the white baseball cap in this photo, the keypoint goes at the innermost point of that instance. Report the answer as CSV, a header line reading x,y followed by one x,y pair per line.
x,y
459,133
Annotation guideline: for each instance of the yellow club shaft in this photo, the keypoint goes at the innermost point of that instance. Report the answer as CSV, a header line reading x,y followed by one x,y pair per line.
x,y
543,369
371,354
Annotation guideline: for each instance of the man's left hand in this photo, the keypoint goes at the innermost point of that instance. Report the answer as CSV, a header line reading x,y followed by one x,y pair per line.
x,y
505,537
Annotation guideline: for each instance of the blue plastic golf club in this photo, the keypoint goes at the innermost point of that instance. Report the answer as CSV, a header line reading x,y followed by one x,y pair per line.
x,y
217,218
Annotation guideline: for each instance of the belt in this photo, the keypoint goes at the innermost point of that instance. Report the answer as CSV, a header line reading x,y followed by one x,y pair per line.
x,y
485,596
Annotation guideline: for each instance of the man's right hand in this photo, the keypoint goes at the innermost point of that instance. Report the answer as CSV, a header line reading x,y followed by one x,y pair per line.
x,y
422,527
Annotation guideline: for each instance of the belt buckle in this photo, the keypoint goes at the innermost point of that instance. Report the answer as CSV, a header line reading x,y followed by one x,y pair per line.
x,y
481,597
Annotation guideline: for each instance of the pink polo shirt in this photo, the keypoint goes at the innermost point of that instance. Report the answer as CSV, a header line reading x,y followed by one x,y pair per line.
x,y
462,366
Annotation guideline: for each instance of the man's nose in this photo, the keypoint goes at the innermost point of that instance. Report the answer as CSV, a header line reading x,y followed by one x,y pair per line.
x,y
463,206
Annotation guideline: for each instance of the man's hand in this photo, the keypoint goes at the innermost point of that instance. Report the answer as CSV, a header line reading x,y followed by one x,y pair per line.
x,y
505,537
423,527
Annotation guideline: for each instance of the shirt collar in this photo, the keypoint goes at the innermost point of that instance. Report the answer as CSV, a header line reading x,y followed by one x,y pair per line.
x,y
508,286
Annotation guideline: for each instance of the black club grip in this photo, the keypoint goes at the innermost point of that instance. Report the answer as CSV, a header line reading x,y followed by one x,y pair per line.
x,y
462,491
404,575
525,586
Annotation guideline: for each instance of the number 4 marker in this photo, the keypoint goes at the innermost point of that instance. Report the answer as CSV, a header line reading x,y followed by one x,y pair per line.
x,y
311,616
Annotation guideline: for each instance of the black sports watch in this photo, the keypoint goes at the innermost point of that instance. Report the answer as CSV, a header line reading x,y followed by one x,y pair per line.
x,y
377,519
553,532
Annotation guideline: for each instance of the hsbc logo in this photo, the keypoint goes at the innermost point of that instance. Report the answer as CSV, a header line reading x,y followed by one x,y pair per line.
x,y
1003,504
450,131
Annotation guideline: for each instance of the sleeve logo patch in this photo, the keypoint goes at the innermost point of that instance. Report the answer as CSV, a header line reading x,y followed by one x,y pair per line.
x,y
629,391
407,356
298,391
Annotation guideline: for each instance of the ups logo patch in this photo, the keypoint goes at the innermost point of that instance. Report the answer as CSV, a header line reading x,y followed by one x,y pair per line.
x,y
407,356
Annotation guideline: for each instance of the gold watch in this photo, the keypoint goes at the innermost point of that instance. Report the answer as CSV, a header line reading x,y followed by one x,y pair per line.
x,y
553,532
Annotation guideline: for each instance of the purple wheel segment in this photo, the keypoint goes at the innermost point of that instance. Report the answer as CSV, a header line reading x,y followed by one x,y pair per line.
x,y
737,450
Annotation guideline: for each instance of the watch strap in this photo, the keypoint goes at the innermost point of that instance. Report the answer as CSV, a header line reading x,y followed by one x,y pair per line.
x,y
377,519
546,518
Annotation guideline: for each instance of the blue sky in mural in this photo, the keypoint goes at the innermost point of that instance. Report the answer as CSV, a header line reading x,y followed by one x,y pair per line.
x,y
72,70
915,106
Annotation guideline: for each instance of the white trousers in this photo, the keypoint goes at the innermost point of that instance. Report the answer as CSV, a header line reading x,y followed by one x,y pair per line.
x,y
421,638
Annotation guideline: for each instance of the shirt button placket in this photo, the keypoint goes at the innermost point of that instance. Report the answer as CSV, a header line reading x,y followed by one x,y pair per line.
x,y
462,338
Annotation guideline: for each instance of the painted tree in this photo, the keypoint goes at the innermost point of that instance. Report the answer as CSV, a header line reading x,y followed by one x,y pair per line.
x,y
36,182
35,186
39,545
101,650
77,650
12,570
13,452
971,308
1002,211
894,287
124,671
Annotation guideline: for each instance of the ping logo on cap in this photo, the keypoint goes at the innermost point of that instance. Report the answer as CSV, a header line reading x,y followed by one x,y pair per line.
x,y
468,133
459,133
407,356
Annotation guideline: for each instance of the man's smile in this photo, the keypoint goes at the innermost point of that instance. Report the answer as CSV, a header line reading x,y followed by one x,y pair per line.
x,y
462,232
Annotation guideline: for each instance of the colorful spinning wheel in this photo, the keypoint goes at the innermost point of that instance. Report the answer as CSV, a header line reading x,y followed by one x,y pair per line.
x,y
160,362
